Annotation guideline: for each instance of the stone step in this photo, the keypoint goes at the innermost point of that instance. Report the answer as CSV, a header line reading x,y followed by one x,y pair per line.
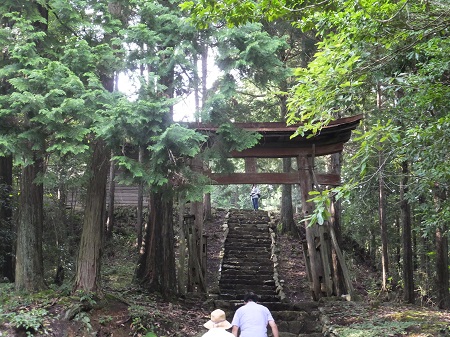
x,y
262,257
246,244
227,287
248,225
248,238
247,251
256,249
233,276
238,297
241,220
257,274
255,263
246,264
308,306
247,247
246,278
264,293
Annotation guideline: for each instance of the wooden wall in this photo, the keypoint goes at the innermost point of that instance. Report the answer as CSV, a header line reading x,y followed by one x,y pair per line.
x,y
123,196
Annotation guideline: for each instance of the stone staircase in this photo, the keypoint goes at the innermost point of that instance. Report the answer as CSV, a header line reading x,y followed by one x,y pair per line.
x,y
249,264
247,261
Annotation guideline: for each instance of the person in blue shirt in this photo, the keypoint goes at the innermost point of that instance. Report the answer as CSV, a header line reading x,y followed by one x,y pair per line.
x,y
252,319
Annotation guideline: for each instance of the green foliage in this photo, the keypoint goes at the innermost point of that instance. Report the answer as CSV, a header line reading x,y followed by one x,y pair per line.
x,y
234,12
142,320
31,320
254,53
321,210
86,297
374,329
237,139
84,318
105,320
170,151
30,313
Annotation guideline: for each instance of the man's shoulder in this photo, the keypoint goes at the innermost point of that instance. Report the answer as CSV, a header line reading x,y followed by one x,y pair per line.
x,y
262,307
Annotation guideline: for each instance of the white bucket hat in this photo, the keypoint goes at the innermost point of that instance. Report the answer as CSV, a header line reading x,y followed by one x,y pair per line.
x,y
218,320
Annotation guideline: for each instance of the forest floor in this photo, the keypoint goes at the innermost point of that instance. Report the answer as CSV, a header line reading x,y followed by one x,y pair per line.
x,y
127,310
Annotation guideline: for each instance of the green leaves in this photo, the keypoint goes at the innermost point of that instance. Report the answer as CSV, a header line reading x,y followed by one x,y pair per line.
x,y
179,141
321,211
237,139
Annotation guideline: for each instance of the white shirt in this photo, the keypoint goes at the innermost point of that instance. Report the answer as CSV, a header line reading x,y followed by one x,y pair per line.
x,y
218,332
255,191
252,318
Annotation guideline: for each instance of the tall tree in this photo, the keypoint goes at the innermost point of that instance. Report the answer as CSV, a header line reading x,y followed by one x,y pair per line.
x,y
55,99
405,207
6,224
107,63
88,265
29,270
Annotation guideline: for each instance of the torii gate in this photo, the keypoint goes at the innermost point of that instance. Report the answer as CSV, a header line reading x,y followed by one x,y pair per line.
x,y
276,142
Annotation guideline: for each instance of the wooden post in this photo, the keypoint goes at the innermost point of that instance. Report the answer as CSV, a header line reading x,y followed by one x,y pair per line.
x,y
325,254
195,250
312,233
250,165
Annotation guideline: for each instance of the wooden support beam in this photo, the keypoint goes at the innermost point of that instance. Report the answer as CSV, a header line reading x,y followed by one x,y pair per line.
x,y
283,152
269,178
250,164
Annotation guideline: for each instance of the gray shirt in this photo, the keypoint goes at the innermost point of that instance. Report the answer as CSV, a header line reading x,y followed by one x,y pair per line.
x,y
252,319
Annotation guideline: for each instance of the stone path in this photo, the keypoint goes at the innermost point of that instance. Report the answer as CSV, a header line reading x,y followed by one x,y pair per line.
x,y
249,264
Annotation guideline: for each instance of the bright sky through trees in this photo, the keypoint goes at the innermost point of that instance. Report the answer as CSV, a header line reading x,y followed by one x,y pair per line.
x,y
184,110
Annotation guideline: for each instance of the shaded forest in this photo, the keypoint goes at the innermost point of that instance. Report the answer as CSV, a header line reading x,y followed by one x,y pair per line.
x,y
66,129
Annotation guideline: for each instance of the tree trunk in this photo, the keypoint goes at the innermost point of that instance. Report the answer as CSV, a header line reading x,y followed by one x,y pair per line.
x,y
140,204
182,251
207,210
156,265
29,260
196,263
335,223
111,200
383,226
207,197
87,275
6,224
145,266
442,274
372,245
405,210
287,211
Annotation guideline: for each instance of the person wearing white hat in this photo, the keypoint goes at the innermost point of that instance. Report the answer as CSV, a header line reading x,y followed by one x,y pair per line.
x,y
218,325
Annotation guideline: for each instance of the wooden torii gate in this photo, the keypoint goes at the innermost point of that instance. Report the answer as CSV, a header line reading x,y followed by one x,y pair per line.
x,y
276,142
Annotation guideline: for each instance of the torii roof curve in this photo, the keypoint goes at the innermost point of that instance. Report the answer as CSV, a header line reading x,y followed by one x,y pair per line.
x,y
276,141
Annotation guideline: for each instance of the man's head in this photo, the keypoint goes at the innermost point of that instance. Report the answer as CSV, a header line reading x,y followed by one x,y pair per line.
x,y
251,297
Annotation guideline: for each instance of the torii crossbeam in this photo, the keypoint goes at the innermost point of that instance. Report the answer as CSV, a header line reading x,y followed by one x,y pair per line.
x,y
276,142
